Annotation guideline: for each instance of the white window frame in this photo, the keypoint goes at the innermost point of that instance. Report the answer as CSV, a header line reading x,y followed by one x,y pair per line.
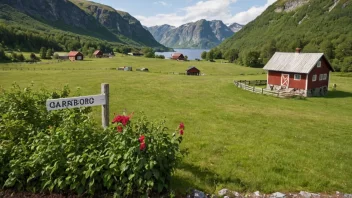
x,y
319,64
314,78
321,77
325,76
300,77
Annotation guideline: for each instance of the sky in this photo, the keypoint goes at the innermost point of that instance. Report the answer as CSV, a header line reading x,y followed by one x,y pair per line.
x,y
179,12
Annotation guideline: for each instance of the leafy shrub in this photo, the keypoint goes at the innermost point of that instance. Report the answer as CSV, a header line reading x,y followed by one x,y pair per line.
x,y
66,151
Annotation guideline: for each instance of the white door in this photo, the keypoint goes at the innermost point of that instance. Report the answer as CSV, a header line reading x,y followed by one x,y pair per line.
x,y
285,80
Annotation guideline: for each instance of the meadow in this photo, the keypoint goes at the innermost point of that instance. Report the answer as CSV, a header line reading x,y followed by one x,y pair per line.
x,y
236,139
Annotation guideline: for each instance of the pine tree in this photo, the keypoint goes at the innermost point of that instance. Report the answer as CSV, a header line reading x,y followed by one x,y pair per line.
x,y
42,53
49,53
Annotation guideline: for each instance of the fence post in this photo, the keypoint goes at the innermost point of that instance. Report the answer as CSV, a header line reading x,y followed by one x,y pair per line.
x,y
105,108
253,89
262,90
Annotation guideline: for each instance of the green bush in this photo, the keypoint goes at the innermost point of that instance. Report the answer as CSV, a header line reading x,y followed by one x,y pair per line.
x,y
67,151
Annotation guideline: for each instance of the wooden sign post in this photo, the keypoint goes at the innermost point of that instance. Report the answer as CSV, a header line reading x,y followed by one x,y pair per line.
x,y
105,108
84,101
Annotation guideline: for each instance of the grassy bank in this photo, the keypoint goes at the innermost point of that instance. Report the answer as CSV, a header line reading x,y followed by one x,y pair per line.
x,y
236,139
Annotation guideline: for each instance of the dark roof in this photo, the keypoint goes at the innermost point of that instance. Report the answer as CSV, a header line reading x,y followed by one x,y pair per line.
x,y
74,53
192,67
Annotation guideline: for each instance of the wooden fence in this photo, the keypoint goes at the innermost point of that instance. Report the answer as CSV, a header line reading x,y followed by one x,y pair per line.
x,y
253,82
281,94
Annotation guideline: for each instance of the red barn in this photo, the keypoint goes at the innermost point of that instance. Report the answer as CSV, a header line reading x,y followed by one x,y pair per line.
x,y
74,55
193,71
177,56
305,73
98,54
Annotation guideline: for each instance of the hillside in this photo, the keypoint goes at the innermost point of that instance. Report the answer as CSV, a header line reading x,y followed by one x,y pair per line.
x,y
314,25
118,22
201,34
65,24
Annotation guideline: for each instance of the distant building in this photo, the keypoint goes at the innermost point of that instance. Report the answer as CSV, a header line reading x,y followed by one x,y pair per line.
x,y
135,54
193,71
75,56
305,73
98,54
143,70
177,56
125,68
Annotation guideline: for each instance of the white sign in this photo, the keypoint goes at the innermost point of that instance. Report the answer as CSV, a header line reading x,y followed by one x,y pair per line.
x,y
77,102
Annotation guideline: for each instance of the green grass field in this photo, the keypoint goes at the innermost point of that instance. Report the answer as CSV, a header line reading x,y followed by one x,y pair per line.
x,y
236,139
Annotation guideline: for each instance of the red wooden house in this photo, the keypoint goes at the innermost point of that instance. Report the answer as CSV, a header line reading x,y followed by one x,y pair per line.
x,y
177,56
98,54
193,71
74,55
305,73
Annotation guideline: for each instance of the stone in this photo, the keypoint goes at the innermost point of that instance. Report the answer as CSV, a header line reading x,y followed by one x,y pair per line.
x,y
226,197
278,195
236,194
257,193
197,194
347,196
305,194
223,192
315,195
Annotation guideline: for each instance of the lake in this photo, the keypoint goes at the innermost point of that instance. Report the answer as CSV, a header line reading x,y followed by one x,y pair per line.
x,y
191,53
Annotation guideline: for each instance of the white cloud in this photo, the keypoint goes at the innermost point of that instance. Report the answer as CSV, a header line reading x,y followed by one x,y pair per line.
x,y
163,3
249,15
206,9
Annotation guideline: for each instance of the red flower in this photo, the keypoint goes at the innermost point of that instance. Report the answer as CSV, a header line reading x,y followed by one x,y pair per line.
x,y
182,126
141,139
142,146
119,128
181,132
121,119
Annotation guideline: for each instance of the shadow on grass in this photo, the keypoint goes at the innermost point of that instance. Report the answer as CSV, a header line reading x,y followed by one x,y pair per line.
x,y
338,94
203,177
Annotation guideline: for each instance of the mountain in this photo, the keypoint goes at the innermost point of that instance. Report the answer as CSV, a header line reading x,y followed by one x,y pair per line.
x,y
313,25
235,27
118,22
66,22
201,34
159,31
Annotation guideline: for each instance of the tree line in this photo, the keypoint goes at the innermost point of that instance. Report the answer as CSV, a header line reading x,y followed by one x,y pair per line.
x,y
340,56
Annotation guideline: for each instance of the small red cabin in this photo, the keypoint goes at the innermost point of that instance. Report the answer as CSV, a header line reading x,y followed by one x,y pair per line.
x,y
74,55
193,71
98,54
177,56
305,73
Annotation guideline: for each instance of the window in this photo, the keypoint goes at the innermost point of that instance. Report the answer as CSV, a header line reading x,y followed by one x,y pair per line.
x,y
314,78
297,77
325,76
321,77
319,64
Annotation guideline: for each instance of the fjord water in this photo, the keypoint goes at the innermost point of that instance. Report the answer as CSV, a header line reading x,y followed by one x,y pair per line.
x,y
191,53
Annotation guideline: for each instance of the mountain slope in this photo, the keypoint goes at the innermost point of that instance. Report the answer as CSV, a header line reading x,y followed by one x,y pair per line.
x,y
159,31
314,25
69,26
61,14
201,34
118,22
